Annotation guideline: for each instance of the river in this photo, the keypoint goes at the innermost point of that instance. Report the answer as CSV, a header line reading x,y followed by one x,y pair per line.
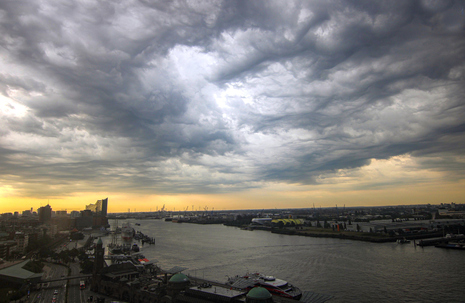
x,y
351,271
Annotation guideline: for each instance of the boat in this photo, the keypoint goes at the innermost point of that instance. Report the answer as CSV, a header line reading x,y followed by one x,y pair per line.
x,y
452,245
403,241
127,232
135,247
275,286
116,250
137,224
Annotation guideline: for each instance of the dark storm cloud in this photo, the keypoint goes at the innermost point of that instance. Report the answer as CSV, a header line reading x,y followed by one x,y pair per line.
x,y
221,95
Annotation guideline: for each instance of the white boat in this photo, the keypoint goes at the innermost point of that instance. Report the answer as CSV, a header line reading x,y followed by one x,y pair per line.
x,y
127,232
275,286
403,241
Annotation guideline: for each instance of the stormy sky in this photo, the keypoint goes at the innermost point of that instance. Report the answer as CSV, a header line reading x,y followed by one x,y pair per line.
x,y
223,98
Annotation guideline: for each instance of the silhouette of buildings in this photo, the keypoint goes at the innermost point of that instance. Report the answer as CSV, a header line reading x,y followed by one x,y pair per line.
x,y
45,213
99,208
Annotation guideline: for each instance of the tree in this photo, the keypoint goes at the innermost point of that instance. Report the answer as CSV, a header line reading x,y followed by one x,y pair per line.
x,y
39,243
73,253
358,227
87,266
45,252
64,256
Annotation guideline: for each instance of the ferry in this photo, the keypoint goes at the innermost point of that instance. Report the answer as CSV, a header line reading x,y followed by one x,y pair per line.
x,y
275,286
127,232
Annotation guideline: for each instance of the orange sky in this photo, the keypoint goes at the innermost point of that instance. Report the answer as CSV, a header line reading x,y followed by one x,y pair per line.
x,y
367,186
318,112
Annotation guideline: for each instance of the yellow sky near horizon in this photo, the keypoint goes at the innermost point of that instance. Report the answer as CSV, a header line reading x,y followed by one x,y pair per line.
x,y
397,181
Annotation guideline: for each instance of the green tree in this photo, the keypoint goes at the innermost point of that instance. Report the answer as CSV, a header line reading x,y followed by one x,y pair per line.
x,y
87,266
64,256
73,253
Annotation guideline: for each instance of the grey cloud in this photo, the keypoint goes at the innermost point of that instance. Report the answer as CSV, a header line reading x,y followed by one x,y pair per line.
x,y
362,79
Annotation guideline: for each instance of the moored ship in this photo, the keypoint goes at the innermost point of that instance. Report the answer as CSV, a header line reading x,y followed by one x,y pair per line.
x,y
127,232
275,286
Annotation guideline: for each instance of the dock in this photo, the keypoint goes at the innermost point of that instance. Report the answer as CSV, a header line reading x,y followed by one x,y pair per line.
x,y
440,241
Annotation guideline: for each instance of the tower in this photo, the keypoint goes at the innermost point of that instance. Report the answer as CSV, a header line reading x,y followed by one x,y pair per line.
x,y
99,257
99,262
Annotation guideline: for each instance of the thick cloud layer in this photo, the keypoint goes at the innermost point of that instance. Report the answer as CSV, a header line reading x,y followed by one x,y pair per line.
x,y
221,96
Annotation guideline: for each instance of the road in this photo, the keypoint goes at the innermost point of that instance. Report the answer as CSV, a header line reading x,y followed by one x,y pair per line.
x,y
75,295
51,290
56,291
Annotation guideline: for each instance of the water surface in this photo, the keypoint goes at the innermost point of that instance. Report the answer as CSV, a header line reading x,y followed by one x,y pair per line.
x,y
351,271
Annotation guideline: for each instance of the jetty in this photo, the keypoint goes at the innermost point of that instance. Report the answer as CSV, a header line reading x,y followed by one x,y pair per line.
x,y
139,236
440,241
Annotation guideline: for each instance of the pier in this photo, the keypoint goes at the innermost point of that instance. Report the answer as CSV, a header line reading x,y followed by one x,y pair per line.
x,y
440,241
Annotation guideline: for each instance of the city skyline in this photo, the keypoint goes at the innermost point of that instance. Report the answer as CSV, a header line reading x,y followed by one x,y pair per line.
x,y
231,104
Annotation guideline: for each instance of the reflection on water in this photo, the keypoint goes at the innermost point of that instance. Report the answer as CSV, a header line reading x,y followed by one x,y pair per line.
x,y
351,271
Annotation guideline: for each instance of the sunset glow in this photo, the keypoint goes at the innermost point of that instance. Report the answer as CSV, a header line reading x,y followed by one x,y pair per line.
x,y
231,105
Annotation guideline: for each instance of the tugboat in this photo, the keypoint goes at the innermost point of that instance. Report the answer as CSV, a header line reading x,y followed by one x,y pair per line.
x,y
275,286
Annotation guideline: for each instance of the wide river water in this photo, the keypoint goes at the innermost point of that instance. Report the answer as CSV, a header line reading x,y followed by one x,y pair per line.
x,y
351,271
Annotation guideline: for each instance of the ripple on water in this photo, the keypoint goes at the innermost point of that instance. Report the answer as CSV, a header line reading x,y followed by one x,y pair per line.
x,y
351,271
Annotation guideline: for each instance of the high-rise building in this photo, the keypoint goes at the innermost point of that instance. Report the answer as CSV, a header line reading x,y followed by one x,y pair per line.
x,y
92,207
61,213
45,213
99,208
104,207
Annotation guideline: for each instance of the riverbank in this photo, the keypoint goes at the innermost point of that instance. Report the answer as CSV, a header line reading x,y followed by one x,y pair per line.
x,y
349,235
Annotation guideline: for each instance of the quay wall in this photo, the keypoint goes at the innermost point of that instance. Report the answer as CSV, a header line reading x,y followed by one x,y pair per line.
x,y
362,237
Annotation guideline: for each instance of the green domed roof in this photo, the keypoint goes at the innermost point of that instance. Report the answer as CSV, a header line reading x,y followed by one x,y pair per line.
x,y
259,293
179,278
99,241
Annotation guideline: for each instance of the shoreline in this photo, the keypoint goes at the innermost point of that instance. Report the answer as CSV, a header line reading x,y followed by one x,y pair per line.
x,y
367,237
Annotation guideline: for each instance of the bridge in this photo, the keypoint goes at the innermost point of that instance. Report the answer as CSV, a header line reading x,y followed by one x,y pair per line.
x,y
66,278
